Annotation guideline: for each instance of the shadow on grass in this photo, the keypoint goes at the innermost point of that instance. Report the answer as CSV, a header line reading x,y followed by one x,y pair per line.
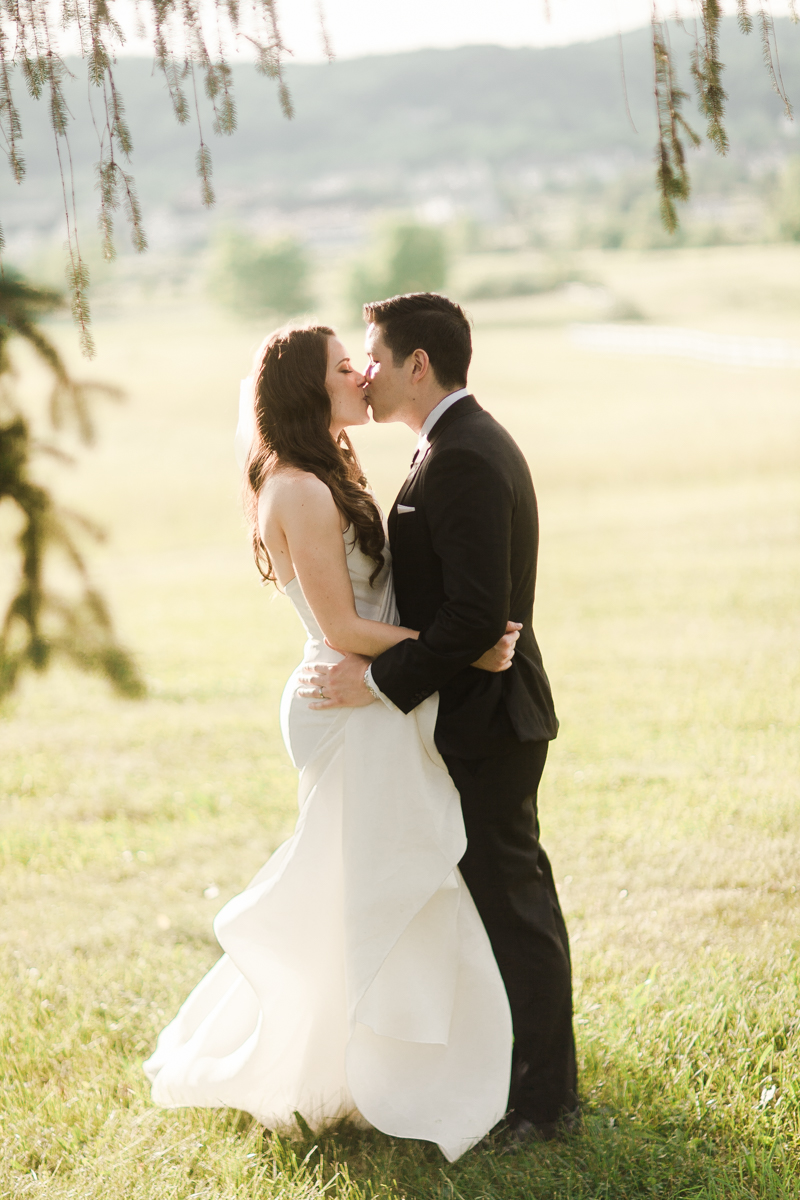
x,y
606,1159
618,1160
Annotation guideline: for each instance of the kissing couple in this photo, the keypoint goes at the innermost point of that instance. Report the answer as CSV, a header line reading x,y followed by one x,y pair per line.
x,y
402,959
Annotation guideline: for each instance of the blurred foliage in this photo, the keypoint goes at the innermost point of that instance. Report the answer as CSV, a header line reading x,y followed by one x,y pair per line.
x,y
625,214
255,278
41,623
406,257
554,273
787,202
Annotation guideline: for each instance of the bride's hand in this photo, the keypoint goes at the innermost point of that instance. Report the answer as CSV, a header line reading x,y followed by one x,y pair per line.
x,y
500,656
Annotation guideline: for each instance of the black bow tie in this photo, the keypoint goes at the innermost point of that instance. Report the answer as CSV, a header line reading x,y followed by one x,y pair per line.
x,y
419,454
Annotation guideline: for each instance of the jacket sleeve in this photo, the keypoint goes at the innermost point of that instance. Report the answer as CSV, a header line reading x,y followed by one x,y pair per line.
x,y
469,508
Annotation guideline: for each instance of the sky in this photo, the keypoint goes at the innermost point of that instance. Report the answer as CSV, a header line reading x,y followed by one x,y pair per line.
x,y
358,27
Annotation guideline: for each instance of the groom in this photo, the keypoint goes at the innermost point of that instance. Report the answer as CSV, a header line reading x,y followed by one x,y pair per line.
x,y
464,538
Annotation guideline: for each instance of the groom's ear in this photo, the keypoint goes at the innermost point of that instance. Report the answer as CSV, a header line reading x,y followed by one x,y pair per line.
x,y
420,365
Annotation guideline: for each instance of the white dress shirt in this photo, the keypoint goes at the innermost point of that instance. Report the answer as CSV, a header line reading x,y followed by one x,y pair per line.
x,y
423,446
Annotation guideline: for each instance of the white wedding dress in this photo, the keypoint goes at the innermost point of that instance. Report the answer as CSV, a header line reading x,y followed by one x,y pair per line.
x,y
357,977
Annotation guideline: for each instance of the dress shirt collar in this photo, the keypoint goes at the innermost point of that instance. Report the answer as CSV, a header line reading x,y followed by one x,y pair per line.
x,y
439,411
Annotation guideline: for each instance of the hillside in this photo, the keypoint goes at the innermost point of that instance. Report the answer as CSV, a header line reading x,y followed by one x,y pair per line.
x,y
466,124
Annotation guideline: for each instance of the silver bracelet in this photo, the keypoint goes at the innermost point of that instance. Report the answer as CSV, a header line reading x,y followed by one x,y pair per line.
x,y
369,686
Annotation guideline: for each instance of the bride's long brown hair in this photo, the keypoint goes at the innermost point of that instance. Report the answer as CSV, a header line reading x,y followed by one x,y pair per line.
x,y
292,412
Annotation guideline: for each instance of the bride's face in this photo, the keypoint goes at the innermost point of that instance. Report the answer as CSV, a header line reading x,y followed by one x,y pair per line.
x,y
344,386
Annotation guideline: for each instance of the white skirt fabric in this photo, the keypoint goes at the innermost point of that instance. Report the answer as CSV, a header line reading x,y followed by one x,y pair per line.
x,y
357,978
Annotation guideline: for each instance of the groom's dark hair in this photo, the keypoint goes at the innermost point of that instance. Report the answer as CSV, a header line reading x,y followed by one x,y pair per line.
x,y
430,322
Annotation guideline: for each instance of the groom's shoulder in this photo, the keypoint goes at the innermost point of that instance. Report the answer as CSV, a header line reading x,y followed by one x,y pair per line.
x,y
478,431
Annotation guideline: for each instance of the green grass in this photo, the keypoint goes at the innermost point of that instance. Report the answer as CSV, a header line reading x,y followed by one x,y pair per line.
x,y
668,616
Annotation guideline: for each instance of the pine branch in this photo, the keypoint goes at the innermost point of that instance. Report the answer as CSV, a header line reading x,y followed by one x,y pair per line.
x,y
133,211
767,28
327,44
108,187
78,282
39,624
219,79
179,44
9,116
114,184
743,18
671,174
204,170
203,159
119,126
173,75
707,72
76,270
625,82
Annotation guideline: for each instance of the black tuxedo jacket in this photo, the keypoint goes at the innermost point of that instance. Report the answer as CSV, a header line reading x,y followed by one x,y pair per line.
x,y
464,536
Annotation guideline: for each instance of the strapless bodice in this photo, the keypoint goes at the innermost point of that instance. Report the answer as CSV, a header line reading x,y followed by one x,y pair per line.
x,y
374,602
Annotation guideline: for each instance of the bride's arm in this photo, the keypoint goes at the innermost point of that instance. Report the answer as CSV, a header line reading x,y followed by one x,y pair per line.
x,y
312,525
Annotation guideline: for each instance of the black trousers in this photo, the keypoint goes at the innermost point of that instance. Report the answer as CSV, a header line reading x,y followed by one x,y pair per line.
x,y
511,881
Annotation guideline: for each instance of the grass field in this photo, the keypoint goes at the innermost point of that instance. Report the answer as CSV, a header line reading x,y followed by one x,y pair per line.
x,y
670,626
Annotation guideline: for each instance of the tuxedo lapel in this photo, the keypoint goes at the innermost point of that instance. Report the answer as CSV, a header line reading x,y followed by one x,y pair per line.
x,y
461,408
401,495
400,499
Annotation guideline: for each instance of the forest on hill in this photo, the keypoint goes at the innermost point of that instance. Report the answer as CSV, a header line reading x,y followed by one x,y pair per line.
x,y
480,130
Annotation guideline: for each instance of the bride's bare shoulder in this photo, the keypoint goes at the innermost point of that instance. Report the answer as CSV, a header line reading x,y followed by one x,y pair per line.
x,y
288,489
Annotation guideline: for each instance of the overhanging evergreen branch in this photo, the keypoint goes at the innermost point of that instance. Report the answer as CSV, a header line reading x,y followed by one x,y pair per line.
x,y
671,174
743,18
10,124
40,624
771,62
204,164
327,44
179,44
707,72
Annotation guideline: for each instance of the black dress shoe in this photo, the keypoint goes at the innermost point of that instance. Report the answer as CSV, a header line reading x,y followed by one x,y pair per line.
x,y
523,1132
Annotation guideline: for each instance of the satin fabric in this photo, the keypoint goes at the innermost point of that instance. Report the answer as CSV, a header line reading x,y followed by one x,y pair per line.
x,y
357,977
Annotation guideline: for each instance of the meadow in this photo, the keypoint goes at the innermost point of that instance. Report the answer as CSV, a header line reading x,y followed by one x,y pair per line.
x,y
668,616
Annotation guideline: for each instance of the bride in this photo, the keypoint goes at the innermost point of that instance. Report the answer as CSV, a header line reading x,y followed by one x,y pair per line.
x,y
357,978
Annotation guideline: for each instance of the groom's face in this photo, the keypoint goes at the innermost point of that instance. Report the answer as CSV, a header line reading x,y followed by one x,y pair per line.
x,y
387,386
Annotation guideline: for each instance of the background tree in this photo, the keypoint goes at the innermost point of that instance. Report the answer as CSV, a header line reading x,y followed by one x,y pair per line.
x,y
406,257
40,622
787,207
254,278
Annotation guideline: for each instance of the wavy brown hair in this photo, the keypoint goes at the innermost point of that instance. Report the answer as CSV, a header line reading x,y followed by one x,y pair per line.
x,y
292,412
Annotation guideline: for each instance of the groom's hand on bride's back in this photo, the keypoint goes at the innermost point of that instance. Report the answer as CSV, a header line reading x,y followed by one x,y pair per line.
x,y
336,685
500,656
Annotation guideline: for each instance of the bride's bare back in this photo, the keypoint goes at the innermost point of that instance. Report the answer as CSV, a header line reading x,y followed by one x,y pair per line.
x,y
302,529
